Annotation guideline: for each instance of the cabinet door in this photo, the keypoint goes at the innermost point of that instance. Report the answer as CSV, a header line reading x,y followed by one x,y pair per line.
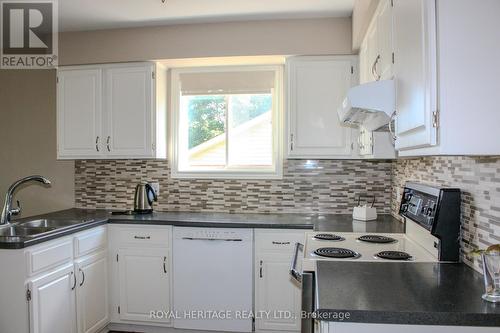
x,y
276,293
92,293
144,283
372,52
52,306
415,72
364,73
129,111
79,113
317,87
384,38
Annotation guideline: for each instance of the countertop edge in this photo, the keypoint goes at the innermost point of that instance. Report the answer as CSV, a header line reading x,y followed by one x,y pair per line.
x,y
410,318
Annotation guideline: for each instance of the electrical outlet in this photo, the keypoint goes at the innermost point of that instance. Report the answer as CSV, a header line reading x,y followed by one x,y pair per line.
x,y
156,187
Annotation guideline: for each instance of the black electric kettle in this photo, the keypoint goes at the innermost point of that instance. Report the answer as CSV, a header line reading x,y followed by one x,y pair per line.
x,y
144,197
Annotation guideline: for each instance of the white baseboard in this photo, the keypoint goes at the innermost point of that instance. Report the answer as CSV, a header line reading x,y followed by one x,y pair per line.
x,y
151,329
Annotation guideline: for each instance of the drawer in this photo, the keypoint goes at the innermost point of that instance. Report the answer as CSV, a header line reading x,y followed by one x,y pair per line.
x,y
90,241
49,255
157,236
278,240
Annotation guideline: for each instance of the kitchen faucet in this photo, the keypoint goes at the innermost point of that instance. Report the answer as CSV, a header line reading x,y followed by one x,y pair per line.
x,y
8,211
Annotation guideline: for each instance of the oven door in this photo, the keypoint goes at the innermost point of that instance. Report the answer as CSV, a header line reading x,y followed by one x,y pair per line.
x,y
306,280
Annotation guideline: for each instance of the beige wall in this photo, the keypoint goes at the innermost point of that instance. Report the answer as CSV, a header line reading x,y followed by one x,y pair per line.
x,y
28,140
273,37
361,17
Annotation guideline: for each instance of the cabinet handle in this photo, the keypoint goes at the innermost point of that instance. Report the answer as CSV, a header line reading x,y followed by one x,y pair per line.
x,y
375,74
291,142
165,265
142,237
97,143
107,142
280,243
83,277
74,280
391,128
260,270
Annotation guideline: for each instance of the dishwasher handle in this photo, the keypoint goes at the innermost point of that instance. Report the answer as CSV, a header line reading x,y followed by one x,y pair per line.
x,y
214,239
293,266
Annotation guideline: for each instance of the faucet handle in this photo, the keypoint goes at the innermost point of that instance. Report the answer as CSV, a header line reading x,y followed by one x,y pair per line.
x,y
16,210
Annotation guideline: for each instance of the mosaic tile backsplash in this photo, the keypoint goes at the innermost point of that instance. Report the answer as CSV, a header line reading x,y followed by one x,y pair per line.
x,y
479,180
308,186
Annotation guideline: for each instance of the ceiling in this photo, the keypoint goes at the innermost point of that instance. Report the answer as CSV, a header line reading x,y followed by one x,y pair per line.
x,y
79,15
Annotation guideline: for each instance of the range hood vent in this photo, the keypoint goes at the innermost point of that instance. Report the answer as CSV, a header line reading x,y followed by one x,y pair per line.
x,y
370,105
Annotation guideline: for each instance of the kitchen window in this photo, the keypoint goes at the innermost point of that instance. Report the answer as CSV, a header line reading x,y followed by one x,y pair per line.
x,y
226,122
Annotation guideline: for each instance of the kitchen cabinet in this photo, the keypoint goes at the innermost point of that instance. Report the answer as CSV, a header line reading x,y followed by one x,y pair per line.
x,y
111,111
79,112
317,86
144,283
376,51
59,286
92,292
446,39
276,292
416,78
141,270
52,302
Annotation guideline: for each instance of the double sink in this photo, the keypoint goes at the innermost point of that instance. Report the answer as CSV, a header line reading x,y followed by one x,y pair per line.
x,y
38,227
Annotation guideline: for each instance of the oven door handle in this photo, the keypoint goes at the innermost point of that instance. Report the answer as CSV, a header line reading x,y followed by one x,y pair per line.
x,y
293,269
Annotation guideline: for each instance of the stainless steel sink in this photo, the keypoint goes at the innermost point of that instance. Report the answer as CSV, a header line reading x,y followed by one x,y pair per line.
x,y
46,223
18,231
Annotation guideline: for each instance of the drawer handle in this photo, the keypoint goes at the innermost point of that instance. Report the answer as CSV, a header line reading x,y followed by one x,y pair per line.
x,y
281,243
142,237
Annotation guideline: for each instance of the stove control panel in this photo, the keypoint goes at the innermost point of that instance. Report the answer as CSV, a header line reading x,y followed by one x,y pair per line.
x,y
419,206
437,209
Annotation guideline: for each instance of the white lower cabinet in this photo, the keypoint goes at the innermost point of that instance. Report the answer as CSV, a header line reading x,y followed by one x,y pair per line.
x,y
59,286
144,283
92,293
140,272
52,305
277,296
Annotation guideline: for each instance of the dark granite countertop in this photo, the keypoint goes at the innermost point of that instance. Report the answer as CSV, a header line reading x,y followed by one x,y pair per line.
x,y
89,218
403,293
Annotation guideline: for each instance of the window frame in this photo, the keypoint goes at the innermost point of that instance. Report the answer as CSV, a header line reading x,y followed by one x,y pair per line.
x,y
228,173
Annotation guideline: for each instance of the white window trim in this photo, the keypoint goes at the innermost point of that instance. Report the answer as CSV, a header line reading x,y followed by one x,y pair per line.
x,y
175,91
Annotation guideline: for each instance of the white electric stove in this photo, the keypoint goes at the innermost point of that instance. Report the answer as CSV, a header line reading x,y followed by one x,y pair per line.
x,y
362,247
432,232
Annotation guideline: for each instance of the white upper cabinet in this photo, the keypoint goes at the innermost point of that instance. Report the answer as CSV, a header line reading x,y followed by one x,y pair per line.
x,y
129,103
317,86
415,72
112,111
384,40
446,68
376,51
79,112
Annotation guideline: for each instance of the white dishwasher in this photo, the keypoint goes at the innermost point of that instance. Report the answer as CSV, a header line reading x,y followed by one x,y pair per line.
x,y
213,278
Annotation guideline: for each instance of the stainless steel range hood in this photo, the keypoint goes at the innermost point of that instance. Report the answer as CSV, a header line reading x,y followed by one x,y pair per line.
x,y
370,105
